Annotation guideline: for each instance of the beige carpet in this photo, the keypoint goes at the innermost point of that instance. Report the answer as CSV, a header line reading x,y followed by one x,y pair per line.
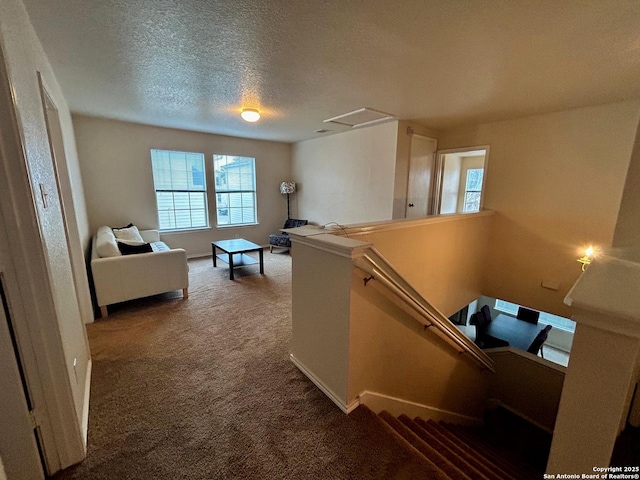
x,y
204,389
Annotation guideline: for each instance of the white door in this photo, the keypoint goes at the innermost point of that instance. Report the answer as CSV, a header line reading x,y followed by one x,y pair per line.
x,y
18,447
421,167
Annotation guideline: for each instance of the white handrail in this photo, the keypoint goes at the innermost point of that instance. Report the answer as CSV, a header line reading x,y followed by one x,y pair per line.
x,y
374,263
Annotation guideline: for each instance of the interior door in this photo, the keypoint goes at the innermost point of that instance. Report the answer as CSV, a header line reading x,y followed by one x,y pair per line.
x,y
421,167
58,157
18,445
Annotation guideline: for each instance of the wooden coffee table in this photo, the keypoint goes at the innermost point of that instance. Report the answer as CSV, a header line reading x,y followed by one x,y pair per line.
x,y
235,251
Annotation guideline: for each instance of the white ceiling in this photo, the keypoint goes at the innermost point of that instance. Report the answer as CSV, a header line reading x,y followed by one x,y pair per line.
x,y
194,64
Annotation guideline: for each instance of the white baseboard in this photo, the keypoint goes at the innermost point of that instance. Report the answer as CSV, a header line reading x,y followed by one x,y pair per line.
x,y
378,402
198,255
346,408
85,406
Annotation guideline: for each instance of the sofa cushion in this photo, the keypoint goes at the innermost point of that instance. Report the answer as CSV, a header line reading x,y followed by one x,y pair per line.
x,y
128,234
106,245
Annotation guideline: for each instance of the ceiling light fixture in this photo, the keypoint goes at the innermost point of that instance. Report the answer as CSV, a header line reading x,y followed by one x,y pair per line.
x,y
250,115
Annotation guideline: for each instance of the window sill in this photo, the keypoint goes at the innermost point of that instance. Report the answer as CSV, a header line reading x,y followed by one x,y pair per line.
x,y
185,230
238,225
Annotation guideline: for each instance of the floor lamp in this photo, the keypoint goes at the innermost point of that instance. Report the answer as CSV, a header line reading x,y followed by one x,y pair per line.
x,y
287,188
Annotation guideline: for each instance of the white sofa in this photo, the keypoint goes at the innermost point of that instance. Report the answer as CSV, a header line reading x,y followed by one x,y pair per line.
x,y
118,278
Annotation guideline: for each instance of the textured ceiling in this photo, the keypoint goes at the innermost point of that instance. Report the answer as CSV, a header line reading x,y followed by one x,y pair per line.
x,y
194,64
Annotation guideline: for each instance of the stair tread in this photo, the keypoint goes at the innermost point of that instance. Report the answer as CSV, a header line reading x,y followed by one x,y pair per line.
x,y
504,450
489,469
463,452
502,457
512,431
439,474
462,461
482,450
427,450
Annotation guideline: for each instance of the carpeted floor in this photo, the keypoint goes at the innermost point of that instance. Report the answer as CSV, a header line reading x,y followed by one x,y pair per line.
x,y
204,389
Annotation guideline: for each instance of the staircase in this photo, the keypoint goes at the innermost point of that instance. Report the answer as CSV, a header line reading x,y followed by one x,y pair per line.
x,y
496,451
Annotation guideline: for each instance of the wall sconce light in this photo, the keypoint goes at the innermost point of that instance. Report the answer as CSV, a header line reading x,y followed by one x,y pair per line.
x,y
586,258
250,115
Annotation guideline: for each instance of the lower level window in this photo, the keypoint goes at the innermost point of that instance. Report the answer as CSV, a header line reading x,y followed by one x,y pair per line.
x,y
235,184
546,318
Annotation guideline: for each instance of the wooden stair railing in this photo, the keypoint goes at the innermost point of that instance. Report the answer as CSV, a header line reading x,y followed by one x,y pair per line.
x,y
378,268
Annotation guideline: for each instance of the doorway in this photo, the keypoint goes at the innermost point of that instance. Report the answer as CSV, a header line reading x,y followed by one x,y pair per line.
x,y
459,180
422,161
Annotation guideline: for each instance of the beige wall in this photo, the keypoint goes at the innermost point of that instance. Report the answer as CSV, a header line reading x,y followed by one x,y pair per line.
x,y
116,169
528,385
391,354
627,234
352,338
347,177
442,257
40,285
320,313
599,380
556,183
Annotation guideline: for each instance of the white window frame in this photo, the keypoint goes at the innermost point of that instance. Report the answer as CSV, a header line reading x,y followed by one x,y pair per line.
x,y
545,318
173,191
466,192
244,190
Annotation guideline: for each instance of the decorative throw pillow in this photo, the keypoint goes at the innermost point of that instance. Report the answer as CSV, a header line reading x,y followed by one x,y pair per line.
x,y
131,248
128,234
120,228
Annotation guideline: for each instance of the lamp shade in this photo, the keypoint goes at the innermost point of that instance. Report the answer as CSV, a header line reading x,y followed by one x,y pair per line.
x,y
287,187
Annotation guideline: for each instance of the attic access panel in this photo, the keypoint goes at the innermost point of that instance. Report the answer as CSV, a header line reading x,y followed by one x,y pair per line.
x,y
360,118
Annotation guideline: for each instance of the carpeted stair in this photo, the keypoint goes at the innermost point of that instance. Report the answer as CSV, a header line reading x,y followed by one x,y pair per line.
x,y
463,453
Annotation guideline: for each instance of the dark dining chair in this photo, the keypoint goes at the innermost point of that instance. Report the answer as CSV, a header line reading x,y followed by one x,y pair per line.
x,y
486,311
538,342
527,315
483,339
